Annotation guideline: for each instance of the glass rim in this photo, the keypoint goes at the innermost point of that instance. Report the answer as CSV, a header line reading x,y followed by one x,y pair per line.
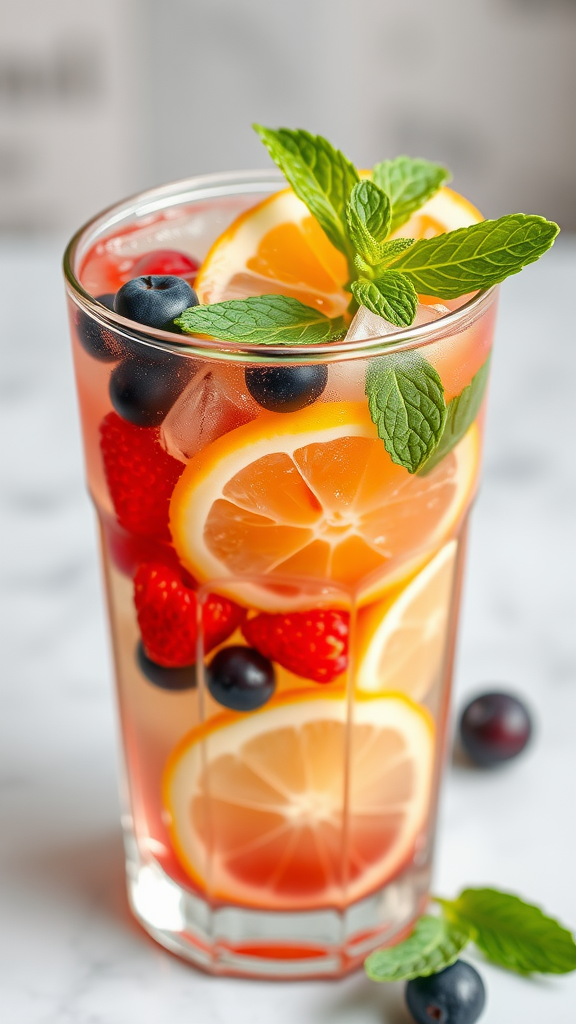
x,y
229,183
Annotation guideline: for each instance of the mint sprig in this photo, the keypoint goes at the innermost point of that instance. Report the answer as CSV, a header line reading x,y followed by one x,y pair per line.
x,y
390,295
262,320
409,184
368,214
405,394
511,933
406,402
319,174
359,216
476,257
433,945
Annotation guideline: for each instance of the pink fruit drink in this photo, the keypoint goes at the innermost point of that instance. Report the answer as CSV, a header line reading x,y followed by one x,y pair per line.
x,y
283,603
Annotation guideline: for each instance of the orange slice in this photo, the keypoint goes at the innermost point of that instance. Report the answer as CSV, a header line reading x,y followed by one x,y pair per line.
x,y
256,802
401,645
313,494
278,247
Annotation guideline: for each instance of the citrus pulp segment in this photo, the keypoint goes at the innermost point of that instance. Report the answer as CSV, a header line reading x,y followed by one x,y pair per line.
x,y
401,644
446,210
313,494
277,246
256,802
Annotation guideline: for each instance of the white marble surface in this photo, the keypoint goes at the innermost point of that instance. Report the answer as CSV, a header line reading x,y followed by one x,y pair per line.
x,y
71,953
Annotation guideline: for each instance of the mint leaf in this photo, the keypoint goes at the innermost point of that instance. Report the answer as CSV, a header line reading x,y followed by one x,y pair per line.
x,y
408,184
461,412
389,295
479,256
368,218
433,945
320,175
512,933
406,402
394,246
262,320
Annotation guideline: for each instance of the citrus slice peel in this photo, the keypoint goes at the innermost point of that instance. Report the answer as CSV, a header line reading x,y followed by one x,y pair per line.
x,y
256,801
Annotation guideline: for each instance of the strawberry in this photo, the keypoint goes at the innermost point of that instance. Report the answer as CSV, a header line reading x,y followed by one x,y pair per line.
x,y
128,550
167,610
140,475
311,644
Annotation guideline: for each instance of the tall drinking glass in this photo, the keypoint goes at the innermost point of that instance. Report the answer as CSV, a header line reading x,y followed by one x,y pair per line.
x,y
281,771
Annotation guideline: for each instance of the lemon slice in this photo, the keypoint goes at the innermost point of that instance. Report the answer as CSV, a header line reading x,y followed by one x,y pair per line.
x,y
401,646
313,494
277,246
256,802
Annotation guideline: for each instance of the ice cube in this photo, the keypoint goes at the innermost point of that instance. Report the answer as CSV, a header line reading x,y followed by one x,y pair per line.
x,y
192,231
215,401
347,379
368,325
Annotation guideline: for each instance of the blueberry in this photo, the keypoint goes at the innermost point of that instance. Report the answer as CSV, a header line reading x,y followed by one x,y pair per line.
x,y
241,678
165,678
144,388
286,388
154,300
453,996
494,728
99,342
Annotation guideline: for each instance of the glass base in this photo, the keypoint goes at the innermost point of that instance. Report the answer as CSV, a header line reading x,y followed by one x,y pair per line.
x,y
231,940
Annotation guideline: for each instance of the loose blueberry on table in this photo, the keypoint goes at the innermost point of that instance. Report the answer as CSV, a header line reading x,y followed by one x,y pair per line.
x,y
241,678
494,728
455,995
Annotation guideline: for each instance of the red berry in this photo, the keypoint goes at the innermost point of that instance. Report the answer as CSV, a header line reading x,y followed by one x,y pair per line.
x,y
166,261
311,644
167,611
128,550
140,475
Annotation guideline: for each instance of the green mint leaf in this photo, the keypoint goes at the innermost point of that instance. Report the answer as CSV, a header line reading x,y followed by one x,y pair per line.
x,y
368,218
512,933
433,945
363,268
320,175
389,295
393,247
262,320
461,412
406,402
476,257
409,184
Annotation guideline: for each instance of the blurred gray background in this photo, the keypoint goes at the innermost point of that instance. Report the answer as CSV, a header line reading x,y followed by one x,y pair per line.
x,y
100,99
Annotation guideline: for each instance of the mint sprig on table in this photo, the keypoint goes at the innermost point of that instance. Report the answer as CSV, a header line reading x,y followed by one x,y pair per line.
x,y
405,394
509,932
